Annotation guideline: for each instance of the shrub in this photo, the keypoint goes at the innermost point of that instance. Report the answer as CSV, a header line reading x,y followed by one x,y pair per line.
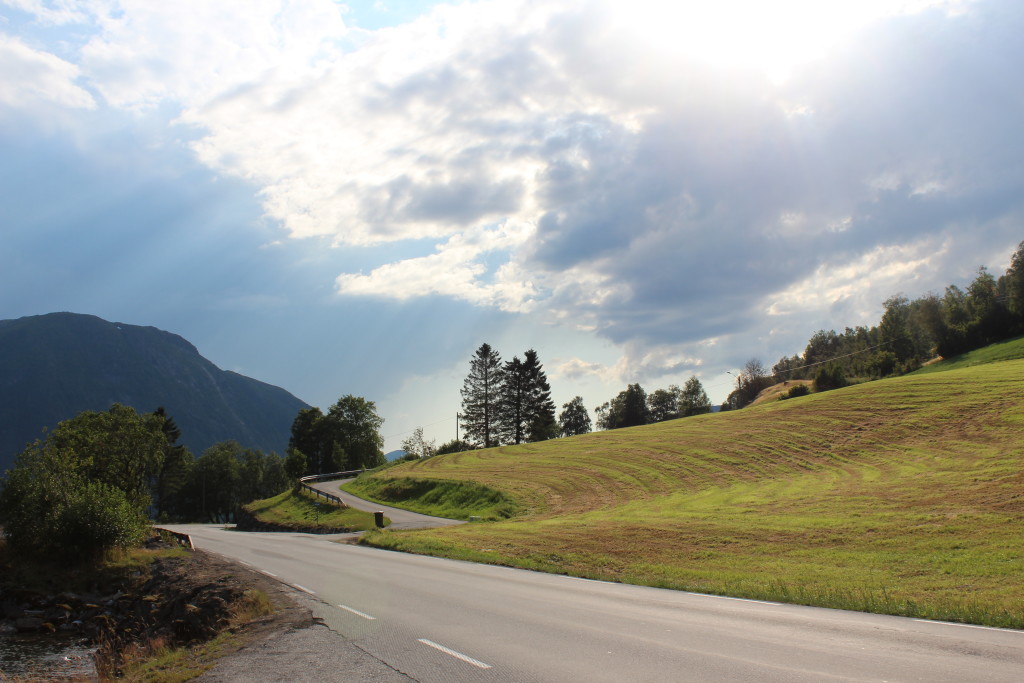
x,y
795,391
50,509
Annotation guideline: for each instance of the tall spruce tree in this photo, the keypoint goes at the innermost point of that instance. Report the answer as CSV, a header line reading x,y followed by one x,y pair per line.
x,y
513,406
540,409
481,393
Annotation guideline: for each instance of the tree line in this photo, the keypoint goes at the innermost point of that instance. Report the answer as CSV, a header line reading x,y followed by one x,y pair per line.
x,y
633,406
912,332
510,403
506,402
94,481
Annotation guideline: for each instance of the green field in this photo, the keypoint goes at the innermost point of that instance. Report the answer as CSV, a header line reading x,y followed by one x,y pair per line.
x,y
902,496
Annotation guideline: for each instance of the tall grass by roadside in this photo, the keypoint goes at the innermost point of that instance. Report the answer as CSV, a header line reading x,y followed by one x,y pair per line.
x,y
902,496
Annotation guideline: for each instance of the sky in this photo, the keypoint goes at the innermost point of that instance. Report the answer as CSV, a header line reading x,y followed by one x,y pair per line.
x,y
350,198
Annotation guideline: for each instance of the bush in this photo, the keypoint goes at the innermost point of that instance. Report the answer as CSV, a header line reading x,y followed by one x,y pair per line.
x,y
50,509
96,518
795,391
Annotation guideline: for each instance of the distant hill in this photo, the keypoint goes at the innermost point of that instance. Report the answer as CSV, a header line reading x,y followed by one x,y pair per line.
x,y
54,366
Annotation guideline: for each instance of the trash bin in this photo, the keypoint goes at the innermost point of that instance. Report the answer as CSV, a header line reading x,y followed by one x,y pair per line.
x,y
378,519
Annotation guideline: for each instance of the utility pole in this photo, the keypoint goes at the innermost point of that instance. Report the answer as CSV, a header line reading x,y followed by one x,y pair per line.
x,y
457,416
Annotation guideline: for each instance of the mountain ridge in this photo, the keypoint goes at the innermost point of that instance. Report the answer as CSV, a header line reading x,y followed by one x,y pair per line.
x,y
54,366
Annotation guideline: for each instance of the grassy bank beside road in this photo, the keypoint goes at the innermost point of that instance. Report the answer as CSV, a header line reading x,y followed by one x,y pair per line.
x,y
301,510
903,496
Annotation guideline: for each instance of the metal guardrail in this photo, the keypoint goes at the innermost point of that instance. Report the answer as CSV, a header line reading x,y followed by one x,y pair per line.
x,y
183,539
327,477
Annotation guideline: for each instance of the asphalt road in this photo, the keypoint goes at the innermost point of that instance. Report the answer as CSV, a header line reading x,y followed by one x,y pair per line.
x,y
441,620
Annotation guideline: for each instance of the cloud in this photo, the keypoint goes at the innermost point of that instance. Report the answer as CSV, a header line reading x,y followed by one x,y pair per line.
x,y
34,79
455,269
191,51
589,167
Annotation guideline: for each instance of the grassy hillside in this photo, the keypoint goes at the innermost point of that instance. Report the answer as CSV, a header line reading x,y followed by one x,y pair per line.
x,y
903,496
1003,351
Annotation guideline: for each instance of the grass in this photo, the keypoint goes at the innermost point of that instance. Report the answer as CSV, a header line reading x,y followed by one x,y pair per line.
x,y
298,509
1012,349
437,497
902,496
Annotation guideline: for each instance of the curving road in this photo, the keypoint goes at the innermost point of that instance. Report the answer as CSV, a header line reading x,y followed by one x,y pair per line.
x,y
430,619
400,519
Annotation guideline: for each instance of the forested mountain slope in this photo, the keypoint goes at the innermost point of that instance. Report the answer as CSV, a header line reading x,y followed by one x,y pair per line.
x,y
54,366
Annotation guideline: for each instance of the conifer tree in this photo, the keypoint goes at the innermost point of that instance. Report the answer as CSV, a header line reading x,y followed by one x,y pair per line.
x,y
481,392
540,409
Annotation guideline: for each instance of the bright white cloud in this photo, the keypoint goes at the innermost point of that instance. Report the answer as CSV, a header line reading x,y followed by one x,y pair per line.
x,y
191,51
656,174
32,77
865,281
456,269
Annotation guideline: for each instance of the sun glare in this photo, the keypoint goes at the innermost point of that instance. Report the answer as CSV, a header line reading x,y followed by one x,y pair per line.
x,y
773,37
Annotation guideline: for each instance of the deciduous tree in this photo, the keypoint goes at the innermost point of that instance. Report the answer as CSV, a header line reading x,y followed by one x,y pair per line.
x,y
574,418
693,400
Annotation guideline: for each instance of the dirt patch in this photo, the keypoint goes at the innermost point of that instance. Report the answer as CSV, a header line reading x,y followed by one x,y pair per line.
x,y
188,601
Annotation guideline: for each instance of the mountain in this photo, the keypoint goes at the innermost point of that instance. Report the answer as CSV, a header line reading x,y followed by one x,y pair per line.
x,y
54,366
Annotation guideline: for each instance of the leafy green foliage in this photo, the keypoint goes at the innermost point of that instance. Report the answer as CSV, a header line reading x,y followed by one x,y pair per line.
x,y
227,476
628,409
574,418
693,400
796,391
911,333
346,438
83,490
417,446
455,446
828,378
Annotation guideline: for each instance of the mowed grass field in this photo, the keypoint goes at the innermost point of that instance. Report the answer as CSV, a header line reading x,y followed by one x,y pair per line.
x,y
901,496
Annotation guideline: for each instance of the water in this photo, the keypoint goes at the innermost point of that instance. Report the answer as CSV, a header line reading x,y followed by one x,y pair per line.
x,y
46,657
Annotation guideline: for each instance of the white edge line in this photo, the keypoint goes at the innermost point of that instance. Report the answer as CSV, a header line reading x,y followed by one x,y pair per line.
x,y
303,589
726,597
264,571
953,623
453,653
364,615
